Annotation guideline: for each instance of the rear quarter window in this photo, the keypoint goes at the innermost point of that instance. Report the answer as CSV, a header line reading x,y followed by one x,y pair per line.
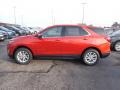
x,y
100,31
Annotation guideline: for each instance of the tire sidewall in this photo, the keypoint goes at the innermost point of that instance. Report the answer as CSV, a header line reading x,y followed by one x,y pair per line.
x,y
26,50
87,51
115,46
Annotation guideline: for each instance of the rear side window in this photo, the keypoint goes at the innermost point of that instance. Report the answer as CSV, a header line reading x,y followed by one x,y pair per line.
x,y
74,31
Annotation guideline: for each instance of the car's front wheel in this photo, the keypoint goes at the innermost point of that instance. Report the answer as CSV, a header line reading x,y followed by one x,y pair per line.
x,y
23,56
91,57
117,46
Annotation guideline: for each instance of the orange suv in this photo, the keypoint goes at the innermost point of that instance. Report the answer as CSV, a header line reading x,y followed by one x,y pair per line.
x,y
62,41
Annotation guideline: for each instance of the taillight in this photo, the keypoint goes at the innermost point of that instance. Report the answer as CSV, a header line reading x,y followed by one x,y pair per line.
x,y
108,38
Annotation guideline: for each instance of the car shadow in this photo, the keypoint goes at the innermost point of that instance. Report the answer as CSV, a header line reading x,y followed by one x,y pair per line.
x,y
74,61
5,58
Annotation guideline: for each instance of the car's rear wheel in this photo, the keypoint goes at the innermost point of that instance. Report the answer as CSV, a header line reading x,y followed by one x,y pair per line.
x,y
117,46
90,57
23,56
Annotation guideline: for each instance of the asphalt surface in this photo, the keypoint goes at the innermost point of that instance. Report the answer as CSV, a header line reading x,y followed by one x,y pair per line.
x,y
59,74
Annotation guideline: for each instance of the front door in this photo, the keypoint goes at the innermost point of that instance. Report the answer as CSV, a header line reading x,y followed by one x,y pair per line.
x,y
74,40
50,43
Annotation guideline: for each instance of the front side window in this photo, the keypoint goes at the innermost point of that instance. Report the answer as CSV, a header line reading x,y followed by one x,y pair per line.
x,y
53,32
74,31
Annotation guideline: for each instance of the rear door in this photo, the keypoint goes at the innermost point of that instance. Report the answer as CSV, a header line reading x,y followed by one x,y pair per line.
x,y
74,40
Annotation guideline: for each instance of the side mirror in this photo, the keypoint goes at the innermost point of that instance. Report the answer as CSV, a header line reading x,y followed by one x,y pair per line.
x,y
38,35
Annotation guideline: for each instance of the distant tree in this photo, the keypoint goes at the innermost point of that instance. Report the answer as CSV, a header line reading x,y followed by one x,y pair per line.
x,y
116,24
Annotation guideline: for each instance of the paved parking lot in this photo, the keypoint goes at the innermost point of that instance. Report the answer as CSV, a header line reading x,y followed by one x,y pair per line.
x,y
59,74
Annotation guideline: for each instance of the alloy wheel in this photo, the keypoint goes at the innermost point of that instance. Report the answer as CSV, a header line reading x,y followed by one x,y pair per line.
x,y
117,46
91,57
23,56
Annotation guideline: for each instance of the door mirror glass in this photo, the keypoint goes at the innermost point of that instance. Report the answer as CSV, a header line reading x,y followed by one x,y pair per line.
x,y
39,35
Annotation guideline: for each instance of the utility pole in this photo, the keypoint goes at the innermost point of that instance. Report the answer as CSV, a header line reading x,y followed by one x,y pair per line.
x,y
53,17
14,8
22,22
83,12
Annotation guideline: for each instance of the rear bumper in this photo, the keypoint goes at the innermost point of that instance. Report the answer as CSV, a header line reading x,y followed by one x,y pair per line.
x,y
105,50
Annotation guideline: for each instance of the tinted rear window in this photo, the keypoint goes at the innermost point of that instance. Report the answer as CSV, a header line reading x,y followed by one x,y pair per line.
x,y
74,31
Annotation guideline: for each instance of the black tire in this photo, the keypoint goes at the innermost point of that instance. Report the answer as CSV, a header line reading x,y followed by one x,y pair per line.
x,y
114,47
28,52
96,57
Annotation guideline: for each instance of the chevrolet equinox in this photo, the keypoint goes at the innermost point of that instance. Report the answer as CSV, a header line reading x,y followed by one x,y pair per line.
x,y
63,41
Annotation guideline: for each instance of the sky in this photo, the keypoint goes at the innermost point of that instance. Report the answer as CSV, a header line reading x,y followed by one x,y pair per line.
x,y
48,12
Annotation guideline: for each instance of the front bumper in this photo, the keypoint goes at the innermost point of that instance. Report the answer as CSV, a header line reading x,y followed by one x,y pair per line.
x,y
10,50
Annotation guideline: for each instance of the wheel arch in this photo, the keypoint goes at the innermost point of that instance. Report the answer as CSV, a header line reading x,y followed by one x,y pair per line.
x,y
92,48
116,41
22,46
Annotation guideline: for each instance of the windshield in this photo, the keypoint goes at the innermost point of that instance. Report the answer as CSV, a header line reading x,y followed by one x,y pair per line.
x,y
19,28
1,27
11,28
14,27
8,27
